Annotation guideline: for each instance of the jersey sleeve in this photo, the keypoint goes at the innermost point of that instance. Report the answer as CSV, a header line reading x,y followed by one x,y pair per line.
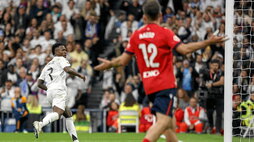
x,y
42,76
131,46
64,62
172,39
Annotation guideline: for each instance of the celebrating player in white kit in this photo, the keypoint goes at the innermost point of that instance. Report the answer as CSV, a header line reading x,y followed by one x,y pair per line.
x,y
53,80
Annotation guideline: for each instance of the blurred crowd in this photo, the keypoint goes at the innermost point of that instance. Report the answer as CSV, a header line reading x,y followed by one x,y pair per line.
x,y
102,28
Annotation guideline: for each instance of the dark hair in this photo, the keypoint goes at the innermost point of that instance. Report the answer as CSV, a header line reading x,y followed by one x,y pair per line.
x,y
38,45
110,105
215,61
8,81
56,45
129,100
152,9
194,99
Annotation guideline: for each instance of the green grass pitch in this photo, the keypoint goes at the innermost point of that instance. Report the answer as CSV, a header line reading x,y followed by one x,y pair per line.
x,y
107,137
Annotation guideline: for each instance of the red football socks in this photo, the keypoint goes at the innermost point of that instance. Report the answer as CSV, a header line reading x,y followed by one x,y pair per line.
x,y
145,140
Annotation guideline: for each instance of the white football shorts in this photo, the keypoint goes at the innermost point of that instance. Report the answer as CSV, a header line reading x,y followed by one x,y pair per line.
x,y
57,98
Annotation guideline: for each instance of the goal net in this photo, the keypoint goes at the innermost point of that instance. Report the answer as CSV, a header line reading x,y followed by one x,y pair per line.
x,y
239,69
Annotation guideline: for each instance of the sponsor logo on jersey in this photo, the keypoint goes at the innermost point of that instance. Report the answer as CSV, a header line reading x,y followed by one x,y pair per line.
x,y
146,35
151,73
176,38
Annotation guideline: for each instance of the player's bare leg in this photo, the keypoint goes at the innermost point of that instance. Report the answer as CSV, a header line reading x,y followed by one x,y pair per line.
x,y
70,125
162,124
49,118
170,133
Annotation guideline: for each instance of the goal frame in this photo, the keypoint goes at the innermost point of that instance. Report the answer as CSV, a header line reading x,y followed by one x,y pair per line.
x,y
228,78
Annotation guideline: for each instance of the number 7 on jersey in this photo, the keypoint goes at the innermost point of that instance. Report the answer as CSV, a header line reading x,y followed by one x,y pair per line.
x,y
50,72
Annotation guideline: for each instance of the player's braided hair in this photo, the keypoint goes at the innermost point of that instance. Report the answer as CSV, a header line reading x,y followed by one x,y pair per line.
x,y
152,9
56,45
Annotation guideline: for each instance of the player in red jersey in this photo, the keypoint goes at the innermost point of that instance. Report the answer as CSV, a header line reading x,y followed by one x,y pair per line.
x,y
152,46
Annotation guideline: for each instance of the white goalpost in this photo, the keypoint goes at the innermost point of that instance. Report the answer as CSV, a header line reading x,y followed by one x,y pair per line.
x,y
228,79
239,71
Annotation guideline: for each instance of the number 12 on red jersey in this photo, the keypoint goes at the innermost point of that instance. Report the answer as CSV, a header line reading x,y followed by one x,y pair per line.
x,y
152,49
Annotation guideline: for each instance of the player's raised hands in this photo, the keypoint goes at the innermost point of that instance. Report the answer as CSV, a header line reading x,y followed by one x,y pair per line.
x,y
217,39
105,64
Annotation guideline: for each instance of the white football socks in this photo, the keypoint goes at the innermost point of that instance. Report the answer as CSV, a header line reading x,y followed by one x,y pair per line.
x,y
49,118
71,129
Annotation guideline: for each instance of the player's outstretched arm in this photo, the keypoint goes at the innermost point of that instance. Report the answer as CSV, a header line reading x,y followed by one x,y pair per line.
x,y
122,60
42,85
73,72
193,46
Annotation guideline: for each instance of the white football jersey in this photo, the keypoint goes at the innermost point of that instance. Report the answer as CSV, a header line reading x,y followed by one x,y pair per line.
x,y
54,75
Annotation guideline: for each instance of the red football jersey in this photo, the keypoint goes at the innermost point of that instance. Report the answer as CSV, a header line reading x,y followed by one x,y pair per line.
x,y
153,46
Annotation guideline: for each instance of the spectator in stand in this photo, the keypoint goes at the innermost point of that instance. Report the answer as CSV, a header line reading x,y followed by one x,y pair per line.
x,y
63,25
23,84
34,68
60,38
105,99
12,75
133,8
214,79
87,10
179,117
7,92
19,65
21,18
19,109
187,75
168,14
3,73
112,117
108,81
243,82
129,25
193,117
236,114
199,64
38,11
35,111
182,98
85,87
129,103
92,26
36,39
146,119
32,27
78,55
46,41
78,22
56,13
129,88
114,24
246,111
39,54
70,9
